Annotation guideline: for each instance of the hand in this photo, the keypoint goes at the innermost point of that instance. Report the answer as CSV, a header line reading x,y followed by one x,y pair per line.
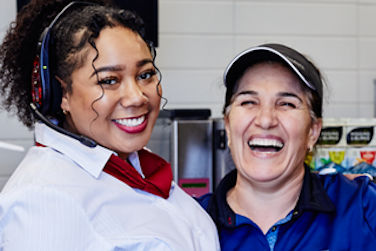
x,y
352,176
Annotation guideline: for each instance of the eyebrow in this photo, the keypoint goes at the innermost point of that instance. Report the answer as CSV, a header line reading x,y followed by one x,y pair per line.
x,y
120,67
245,93
280,94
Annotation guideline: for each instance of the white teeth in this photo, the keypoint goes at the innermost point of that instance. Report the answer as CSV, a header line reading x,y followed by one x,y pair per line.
x,y
131,122
265,142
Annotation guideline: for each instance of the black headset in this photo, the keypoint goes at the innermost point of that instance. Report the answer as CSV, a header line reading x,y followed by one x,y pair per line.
x,y
46,90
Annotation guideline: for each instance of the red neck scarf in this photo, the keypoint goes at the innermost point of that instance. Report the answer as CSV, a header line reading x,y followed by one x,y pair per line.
x,y
158,174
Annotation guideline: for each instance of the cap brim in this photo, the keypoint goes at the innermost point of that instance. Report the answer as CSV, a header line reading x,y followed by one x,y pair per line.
x,y
253,55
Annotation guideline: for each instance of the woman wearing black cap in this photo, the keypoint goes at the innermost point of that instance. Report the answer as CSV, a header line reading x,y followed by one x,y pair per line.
x,y
273,116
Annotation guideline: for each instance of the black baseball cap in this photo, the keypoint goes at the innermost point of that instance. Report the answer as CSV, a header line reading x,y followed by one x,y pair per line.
x,y
303,68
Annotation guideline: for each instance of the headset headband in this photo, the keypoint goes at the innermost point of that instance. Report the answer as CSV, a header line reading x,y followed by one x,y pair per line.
x,y
46,91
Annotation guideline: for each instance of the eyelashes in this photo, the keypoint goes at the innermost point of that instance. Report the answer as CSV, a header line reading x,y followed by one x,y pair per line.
x,y
143,76
147,75
288,105
108,81
284,104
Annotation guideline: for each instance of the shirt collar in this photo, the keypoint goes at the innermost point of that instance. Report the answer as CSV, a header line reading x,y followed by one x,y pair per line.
x,y
91,159
313,197
218,207
135,162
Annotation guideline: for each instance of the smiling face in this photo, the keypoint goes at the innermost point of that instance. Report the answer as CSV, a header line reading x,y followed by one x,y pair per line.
x,y
269,126
118,106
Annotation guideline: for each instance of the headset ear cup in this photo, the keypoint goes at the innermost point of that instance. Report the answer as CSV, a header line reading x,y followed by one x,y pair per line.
x,y
46,95
40,91
36,84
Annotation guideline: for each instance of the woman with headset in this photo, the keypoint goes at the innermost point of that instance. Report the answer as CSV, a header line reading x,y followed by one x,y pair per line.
x,y
84,77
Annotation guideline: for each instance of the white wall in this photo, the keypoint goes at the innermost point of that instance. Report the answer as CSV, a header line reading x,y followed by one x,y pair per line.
x,y
198,38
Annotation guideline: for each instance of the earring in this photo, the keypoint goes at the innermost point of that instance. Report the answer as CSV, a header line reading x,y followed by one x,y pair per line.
x,y
65,112
310,148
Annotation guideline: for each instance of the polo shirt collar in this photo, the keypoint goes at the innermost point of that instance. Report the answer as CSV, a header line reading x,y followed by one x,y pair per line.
x,y
218,207
313,197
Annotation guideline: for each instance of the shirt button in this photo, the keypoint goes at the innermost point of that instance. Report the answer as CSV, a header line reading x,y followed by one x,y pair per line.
x,y
274,228
295,213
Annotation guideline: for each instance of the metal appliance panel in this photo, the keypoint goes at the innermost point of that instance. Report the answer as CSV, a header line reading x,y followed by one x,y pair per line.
x,y
192,150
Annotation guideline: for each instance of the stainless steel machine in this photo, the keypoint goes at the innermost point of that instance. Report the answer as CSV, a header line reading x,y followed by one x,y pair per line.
x,y
196,147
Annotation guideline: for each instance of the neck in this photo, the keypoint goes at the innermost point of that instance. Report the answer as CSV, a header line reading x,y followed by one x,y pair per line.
x,y
265,204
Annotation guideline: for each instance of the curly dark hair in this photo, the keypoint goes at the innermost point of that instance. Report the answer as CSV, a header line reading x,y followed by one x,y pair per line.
x,y
79,26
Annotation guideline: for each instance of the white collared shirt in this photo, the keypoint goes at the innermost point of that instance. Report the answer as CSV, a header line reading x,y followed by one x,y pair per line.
x,y
60,199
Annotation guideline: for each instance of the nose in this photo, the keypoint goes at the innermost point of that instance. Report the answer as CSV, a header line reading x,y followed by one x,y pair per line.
x,y
266,117
132,94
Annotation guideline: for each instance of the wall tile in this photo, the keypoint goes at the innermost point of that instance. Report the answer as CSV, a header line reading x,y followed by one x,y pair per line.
x,y
195,17
295,18
193,86
194,52
343,86
366,111
371,2
341,110
326,52
8,11
367,53
367,86
367,20
200,1
301,1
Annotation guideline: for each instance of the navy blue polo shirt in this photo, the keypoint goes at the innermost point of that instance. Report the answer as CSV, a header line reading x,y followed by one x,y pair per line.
x,y
332,213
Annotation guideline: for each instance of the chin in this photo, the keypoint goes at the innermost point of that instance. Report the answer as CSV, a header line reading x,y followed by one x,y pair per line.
x,y
262,174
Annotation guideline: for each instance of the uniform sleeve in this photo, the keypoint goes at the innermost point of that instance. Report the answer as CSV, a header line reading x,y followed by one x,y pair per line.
x,y
44,219
369,205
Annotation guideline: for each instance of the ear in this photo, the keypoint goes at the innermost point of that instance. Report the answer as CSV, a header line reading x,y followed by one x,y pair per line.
x,y
65,94
314,132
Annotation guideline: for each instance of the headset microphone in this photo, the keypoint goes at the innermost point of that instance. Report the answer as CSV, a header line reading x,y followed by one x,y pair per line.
x,y
46,90
86,141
